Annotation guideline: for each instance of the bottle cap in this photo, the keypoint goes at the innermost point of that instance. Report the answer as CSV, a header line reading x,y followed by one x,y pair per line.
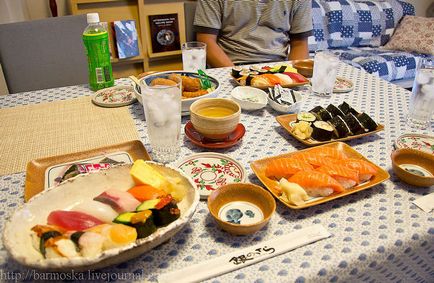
x,y
92,18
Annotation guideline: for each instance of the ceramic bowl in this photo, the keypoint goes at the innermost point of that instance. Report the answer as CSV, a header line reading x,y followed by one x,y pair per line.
x,y
185,104
413,166
304,67
215,128
249,98
241,208
17,237
283,108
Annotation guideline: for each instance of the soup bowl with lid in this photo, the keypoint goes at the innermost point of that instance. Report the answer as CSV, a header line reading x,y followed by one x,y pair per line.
x,y
215,118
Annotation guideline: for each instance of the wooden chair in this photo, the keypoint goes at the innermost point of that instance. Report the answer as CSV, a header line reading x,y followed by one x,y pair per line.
x,y
44,53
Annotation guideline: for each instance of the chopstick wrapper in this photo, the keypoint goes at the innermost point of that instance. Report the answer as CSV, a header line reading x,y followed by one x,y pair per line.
x,y
247,256
426,203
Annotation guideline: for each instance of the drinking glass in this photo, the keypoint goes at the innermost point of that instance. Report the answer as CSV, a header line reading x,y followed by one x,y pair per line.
x,y
193,56
422,99
324,73
162,106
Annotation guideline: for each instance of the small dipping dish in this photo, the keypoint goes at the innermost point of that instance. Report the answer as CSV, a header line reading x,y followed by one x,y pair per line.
x,y
241,208
304,67
249,98
413,166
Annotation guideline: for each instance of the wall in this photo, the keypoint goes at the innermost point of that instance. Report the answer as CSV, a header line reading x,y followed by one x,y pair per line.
x,y
421,6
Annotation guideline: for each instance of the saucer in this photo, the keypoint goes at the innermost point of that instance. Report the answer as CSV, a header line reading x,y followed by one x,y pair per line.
x,y
201,141
115,96
210,170
416,141
342,85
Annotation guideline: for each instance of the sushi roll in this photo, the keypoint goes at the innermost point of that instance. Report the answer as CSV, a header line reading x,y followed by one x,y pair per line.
x,y
322,131
263,71
255,69
250,77
341,129
334,111
354,124
367,122
236,72
345,108
306,116
142,221
321,113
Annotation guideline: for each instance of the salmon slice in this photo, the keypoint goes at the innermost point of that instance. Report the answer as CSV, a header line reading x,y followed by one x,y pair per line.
x,y
316,183
345,176
328,152
366,170
285,167
314,159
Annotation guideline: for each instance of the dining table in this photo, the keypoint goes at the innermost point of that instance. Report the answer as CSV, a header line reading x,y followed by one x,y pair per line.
x,y
377,235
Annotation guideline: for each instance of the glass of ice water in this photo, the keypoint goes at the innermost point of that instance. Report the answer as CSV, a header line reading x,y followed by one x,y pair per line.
x,y
162,106
422,99
193,56
324,73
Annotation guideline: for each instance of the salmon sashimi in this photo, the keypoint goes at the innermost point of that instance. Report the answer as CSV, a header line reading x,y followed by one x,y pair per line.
x,y
285,167
366,170
347,177
316,183
313,159
328,152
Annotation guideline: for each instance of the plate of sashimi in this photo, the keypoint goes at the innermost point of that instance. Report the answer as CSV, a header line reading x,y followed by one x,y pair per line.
x,y
312,176
103,218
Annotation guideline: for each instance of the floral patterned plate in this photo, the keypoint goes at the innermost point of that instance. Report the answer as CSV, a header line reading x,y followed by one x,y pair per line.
x,y
115,96
210,170
416,141
342,85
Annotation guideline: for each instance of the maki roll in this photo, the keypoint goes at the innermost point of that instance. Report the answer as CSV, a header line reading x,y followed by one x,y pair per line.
x,y
236,72
306,116
250,76
367,122
164,210
354,124
142,221
321,113
263,71
254,69
341,129
334,111
322,131
345,108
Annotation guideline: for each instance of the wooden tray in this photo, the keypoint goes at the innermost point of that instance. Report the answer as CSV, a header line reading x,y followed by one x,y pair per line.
x,y
285,120
266,87
259,166
38,169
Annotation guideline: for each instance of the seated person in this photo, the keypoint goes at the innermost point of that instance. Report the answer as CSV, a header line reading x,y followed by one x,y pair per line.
x,y
243,32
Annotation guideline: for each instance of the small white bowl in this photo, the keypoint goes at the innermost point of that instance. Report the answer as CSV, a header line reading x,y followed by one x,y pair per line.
x,y
283,108
249,98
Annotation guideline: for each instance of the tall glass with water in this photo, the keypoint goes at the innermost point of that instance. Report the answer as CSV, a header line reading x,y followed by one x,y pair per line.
x,y
162,106
193,56
421,106
324,73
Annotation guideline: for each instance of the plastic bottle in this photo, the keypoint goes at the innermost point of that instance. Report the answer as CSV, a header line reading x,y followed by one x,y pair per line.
x,y
95,38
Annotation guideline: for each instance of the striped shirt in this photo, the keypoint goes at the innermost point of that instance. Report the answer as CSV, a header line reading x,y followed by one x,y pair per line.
x,y
254,30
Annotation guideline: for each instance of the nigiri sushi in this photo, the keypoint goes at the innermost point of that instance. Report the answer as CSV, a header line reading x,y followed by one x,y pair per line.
x,y
89,243
316,183
313,159
97,209
115,235
119,200
72,220
293,192
328,152
347,177
285,167
365,169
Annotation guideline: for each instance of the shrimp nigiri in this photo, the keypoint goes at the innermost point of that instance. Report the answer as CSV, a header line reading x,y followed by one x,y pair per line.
x,y
347,177
316,183
285,167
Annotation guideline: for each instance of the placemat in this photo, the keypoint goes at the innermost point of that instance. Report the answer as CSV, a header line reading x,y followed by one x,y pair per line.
x,y
60,127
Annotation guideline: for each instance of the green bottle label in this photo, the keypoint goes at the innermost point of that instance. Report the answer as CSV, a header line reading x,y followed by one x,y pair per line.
x,y
98,58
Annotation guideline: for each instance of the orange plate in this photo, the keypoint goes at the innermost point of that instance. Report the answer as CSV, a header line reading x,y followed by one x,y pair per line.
x,y
258,167
35,174
266,87
284,121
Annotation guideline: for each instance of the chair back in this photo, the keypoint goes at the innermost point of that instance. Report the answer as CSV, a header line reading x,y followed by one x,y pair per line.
x,y
43,54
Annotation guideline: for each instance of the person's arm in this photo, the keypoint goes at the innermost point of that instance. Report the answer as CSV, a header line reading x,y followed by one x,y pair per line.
x,y
298,49
215,56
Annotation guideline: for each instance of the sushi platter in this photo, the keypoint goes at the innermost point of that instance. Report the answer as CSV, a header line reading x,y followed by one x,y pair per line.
x,y
313,174
331,124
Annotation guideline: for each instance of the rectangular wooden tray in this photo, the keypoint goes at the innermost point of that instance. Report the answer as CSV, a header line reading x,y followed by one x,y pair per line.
x,y
285,120
259,166
36,172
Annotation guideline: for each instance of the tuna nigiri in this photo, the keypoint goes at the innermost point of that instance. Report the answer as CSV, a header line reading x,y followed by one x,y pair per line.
x,y
365,169
72,220
347,177
285,167
316,183
119,200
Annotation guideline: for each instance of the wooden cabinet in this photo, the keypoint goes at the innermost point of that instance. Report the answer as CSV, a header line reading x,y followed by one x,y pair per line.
x,y
138,10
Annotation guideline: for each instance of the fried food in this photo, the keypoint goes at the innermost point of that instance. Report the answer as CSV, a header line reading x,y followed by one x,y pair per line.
x,y
191,94
161,81
190,84
175,77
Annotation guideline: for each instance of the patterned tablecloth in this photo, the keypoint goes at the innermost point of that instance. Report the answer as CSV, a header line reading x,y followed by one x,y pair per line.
x,y
378,235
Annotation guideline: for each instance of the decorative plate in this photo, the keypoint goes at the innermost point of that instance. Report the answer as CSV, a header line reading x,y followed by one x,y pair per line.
x,y
416,141
342,85
115,96
210,170
259,167
286,122
201,141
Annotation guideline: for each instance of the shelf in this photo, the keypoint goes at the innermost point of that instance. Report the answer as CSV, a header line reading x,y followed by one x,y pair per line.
x,y
136,59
